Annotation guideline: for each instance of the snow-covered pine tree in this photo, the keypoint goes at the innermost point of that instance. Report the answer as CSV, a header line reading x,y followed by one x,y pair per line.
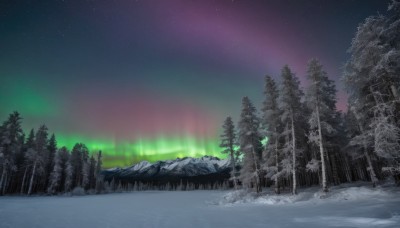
x,y
64,158
79,156
29,144
271,122
386,117
92,175
76,163
9,146
99,177
69,175
228,143
33,157
289,102
321,100
387,70
344,160
250,145
37,158
51,150
19,166
386,136
43,156
55,176
85,174
361,139
99,163
372,78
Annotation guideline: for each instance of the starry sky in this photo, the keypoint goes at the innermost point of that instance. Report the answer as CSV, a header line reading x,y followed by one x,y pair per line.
x,y
155,79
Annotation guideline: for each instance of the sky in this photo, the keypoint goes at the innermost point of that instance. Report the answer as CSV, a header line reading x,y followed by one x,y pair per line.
x,y
151,80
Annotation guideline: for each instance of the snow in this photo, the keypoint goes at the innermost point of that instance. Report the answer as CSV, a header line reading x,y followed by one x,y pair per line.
x,y
223,162
140,166
181,166
353,205
346,192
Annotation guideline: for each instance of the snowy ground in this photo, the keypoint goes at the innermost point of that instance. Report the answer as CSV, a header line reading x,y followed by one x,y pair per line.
x,y
353,206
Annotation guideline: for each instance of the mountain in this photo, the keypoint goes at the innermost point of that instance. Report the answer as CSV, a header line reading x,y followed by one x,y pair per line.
x,y
206,169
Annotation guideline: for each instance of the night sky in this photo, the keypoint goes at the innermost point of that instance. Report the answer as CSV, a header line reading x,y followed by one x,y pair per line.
x,y
155,79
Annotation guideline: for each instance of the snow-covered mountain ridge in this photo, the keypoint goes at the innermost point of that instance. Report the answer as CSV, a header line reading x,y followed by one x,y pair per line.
x,y
179,168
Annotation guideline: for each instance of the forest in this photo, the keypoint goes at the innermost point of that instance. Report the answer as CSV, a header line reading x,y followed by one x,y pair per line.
x,y
310,142
34,164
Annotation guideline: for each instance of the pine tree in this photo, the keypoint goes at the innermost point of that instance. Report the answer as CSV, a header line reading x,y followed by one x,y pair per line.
x,y
99,177
386,112
64,161
386,136
372,78
37,162
79,156
289,102
361,140
85,174
29,144
272,124
19,165
36,156
92,174
228,143
56,174
42,156
69,172
51,150
321,99
9,146
99,163
30,141
249,140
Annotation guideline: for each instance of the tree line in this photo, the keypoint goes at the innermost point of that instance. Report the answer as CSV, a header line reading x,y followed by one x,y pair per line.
x,y
118,186
301,139
35,165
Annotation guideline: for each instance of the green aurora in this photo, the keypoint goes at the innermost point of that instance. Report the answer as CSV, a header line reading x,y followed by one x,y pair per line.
x,y
34,105
119,154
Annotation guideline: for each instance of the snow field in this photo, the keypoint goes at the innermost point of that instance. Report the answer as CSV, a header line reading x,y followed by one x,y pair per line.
x,y
344,206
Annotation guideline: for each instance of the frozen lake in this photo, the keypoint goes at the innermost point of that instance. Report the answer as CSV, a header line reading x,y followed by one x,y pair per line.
x,y
370,208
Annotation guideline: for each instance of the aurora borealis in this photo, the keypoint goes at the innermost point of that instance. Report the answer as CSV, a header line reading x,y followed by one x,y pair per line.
x,y
155,79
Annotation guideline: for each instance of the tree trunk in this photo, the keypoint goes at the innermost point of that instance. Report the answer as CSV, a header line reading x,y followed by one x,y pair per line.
x,y
23,181
233,170
31,181
258,186
371,171
347,169
370,168
3,190
294,191
394,92
277,190
321,150
335,173
3,174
